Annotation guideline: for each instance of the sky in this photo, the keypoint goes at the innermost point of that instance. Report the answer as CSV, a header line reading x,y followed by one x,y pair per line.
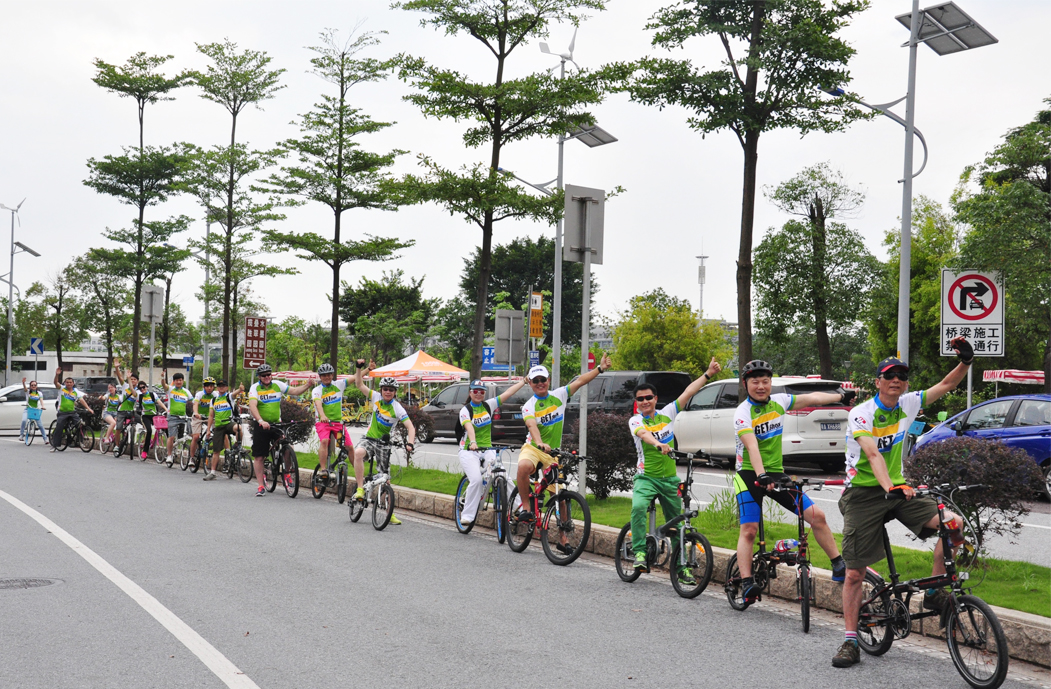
x,y
683,192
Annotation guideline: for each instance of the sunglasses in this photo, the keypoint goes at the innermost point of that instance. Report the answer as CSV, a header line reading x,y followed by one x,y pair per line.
x,y
894,375
481,390
539,380
644,398
266,375
388,389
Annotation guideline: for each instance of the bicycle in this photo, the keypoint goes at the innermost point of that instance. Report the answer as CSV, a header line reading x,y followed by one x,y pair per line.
x,y
357,416
378,491
126,433
32,418
281,450
495,478
75,434
237,460
158,444
682,550
764,562
318,485
976,641
569,509
181,446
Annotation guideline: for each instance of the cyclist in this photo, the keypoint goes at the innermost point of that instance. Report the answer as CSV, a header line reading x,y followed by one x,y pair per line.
x,y
111,411
328,403
68,399
264,403
129,386
655,474
388,412
476,445
34,400
147,403
220,423
543,414
178,398
875,431
202,405
758,423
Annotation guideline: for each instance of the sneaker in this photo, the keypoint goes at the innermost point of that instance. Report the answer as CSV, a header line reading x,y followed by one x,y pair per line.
x,y
563,548
209,477
839,573
394,520
752,593
359,494
686,577
524,515
143,455
847,655
259,493
640,563
169,463
323,474
939,601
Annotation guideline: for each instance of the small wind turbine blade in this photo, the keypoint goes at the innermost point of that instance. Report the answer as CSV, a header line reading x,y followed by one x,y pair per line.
x,y
573,42
575,64
20,204
545,49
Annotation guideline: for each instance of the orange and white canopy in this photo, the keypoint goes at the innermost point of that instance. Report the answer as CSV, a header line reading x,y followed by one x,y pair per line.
x,y
1012,375
419,364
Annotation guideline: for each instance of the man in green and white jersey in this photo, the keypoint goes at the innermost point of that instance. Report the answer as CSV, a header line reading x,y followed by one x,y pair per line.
x,y
178,399
543,415
220,423
875,437
388,413
202,407
656,477
68,399
759,422
264,403
328,405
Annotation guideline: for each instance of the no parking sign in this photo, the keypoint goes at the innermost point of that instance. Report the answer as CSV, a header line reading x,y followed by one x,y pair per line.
x,y
972,306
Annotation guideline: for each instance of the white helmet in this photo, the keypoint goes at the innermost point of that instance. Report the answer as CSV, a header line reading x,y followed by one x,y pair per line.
x,y
388,382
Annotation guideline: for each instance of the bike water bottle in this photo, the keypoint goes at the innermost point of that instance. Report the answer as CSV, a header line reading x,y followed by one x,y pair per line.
x,y
785,545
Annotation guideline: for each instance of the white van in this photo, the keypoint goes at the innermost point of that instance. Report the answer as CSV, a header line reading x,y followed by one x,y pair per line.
x,y
811,434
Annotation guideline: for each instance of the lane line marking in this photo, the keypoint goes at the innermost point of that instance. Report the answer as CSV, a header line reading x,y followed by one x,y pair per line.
x,y
215,661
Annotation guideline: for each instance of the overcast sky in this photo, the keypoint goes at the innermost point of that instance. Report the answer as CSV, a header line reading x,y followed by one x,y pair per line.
x,y
683,193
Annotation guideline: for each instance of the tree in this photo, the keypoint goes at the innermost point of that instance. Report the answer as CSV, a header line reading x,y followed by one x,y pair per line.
x,y
801,285
65,322
453,329
106,298
334,170
234,80
139,178
388,315
659,332
779,53
1010,230
501,112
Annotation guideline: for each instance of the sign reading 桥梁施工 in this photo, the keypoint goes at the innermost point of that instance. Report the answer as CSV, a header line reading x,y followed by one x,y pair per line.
x,y
255,342
972,306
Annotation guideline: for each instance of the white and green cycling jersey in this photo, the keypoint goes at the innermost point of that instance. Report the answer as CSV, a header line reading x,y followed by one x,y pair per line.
x,y
331,397
887,427
178,398
204,402
651,461
223,406
129,398
114,401
766,422
479,416
549,412
268,399
67,399
34,398
386,415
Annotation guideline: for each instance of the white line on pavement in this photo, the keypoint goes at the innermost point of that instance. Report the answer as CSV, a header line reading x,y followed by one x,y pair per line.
x,y
208,654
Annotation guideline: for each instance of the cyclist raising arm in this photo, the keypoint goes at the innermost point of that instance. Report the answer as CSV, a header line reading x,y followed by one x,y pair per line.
x,y
178,398
220,423
202,406
328,404
875,432
264,403
147,404
68,399
34,400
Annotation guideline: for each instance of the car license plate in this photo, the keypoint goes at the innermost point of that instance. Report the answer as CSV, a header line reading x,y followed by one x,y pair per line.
x,y
516,416
831,426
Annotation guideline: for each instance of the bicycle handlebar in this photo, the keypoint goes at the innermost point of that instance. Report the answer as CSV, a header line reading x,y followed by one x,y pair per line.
x,y
699,454
559,453
794,482
934,490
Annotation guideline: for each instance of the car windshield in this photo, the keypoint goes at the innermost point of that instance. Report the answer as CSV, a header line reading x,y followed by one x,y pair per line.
x,y
806,388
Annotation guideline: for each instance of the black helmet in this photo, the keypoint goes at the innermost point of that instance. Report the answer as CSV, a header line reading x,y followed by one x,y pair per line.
x,y
263,370
756,367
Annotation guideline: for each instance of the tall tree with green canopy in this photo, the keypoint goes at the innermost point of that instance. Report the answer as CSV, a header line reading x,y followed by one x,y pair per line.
x,y
499,112
235,79
1009,216
387,315
65,323
779,53
106,298
334,170
139,178
813,275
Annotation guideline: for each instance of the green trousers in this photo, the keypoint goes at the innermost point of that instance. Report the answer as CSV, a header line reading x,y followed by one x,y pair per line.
x,y
646,489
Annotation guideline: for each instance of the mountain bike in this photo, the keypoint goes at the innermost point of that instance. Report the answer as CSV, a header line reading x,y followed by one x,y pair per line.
x,y
181,446
494,478
199,459
765,562
76,434
568,509
378,491
683,550
319,485
237,460
976,641
126,432
281,461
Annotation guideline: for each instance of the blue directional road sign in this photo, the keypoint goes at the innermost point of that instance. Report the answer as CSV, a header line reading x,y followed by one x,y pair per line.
x,y
534,358
36,345
187,361
488,363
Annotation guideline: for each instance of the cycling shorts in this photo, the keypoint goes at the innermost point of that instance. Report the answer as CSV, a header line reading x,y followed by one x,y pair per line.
x,y
750,497
326,429
198,426
535,457
262,438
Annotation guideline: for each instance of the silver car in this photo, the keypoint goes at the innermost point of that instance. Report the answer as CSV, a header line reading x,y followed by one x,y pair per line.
x,y
13,403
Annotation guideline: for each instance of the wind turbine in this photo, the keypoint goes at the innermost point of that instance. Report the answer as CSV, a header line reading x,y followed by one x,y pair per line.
x,y
567,56
11,282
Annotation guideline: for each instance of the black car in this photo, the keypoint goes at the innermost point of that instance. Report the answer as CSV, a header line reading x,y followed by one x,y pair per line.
x,y
95,385
508,427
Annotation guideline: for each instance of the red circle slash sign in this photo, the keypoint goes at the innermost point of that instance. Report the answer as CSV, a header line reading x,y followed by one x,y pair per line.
x,y
973,290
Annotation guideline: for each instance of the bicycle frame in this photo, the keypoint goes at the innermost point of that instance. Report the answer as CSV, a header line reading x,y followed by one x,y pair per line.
x,y
374,480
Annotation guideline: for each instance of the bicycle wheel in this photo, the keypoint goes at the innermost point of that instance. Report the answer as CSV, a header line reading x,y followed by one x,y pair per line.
x,y
317,486
383,508
269,475
105,442
51,429
198,459
182,447
699,563
160,446
499,492
977,643
732,585
519,532
874,632
122,445
289,471
357,508
461,497
341,483
85,440
30,433
245,467
625,556
571,526
139,440
803,591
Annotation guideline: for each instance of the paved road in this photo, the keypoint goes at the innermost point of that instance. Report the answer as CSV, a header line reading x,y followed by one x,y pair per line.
x,y
289,593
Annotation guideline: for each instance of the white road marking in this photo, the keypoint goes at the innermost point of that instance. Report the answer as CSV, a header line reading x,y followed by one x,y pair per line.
x,y
215,661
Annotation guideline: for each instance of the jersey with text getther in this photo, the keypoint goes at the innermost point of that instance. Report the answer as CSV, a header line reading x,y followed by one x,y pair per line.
x,y
223,406
386,415
178,398
480,417
67,401
766,421
331,397
268,399
887,427
204,402
114,402
652,462
549,412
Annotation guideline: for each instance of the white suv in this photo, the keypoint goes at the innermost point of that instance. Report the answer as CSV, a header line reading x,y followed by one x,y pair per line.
x,y
811,434
13,403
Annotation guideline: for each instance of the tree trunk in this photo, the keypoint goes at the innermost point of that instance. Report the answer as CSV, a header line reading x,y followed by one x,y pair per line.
x,y
231,377
818,286
333,335
481,296
166,327
744,255
228,374
1047,367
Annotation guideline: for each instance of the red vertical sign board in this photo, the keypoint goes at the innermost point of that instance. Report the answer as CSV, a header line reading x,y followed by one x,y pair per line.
x,y
255,342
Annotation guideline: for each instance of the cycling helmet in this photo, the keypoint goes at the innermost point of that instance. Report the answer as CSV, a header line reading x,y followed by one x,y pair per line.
x,y
756,367
324,369
388,382
263,370
208,381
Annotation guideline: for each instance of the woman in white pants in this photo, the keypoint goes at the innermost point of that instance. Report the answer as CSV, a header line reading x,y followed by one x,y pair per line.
x,y
476,447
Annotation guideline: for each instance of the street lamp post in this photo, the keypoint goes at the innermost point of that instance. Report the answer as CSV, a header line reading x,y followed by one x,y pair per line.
x,y
16,247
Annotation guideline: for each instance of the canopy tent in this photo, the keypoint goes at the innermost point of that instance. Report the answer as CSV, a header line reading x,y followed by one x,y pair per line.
x,y
1013,375
419,364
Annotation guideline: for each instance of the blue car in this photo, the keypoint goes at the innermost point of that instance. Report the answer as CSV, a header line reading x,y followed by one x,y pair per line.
x,y
1019,421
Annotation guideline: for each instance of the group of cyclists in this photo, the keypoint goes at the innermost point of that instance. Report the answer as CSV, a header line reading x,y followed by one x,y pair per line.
x,y
875,433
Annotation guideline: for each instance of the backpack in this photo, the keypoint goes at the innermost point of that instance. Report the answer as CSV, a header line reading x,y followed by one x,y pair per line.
x,y
459,431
